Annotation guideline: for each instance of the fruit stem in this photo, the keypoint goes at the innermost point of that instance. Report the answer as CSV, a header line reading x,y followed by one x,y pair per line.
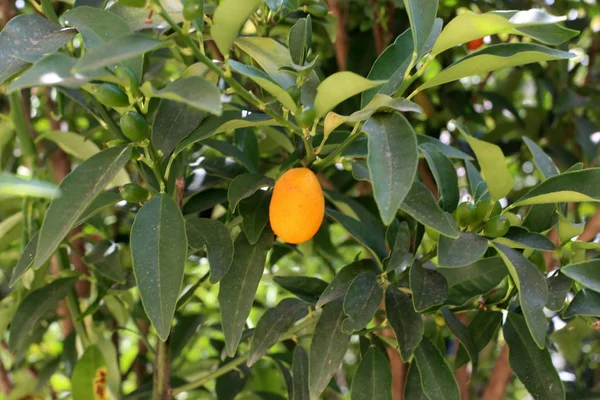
x,y
333,156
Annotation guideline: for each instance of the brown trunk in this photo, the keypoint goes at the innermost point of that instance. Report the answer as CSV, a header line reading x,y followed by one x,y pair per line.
x,y
341,42
500,377
462,378
7,11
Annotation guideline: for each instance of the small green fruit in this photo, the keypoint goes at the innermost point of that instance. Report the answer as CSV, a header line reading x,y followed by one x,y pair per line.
x,y
465,213
126,76
111,95
496,226
134,126
305,117
133,193
482,209
115,142
193,9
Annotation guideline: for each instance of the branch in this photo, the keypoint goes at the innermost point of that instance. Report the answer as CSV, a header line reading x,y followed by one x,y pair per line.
x,y
592,228
341,42
500,377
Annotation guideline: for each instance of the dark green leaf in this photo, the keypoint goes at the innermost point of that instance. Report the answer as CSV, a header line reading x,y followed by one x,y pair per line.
x,y
400,248
239,286
520,238
300,374
25,261
436,376
576,186
78,189
104,258
421,14
586,273
229,385
483,327
342,280
373,378
541,160
533,292
173,122
359,231
187,327
405,321
448,151
306,288
159,250
255,213
429,287
445,176
585,302
467,249
393,159
584,129
104,200
300,40
327,349
185,91
362,300
244,186
204,200
532,365
413,389
559,286
227,149
463,334
213,236
271,325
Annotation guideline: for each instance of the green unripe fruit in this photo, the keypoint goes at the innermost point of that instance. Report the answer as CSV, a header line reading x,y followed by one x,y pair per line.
x,y
111,95
317,10
295,92
126,76
305,118
193,9
496,210
134,126
115,142
133,193
465,213
496,226
133,3
482,209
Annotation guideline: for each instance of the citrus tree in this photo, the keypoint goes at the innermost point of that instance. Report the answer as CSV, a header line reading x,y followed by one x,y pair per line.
x,y
267,199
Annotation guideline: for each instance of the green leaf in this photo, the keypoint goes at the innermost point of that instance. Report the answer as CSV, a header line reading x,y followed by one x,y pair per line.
x,y
540,217
306,288
104,258
255,213
89,375
533,291
115,51
520,238
445,176
421,14
467,249
300,40
239,286
532,365
270,55
102,201
173,122
463,334
185,90
271,325
265,82
436,376
342,280
204,200
228,19
559,286
362,300
413,389
73,143
473,280
493,58
11,185
400,248
448,151
99,26
373,378
300,374
586,273
493,166
421,205
359,231
25,261
327,348
339,87
585,302
469,26
406,323
244,186
184,331
483,327
393,159
542,161
78,189
212,235
158,251
576,186
429,287
228,149
42,37
33,308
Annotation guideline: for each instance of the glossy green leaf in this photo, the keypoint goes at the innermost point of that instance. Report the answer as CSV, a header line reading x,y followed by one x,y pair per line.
x,y
185,90
576,186
42,35
90,375
406,323
33,308
413,389
102,201
104,258
448,151
421,14
541,160
421,205
466,249
229,150
586,273
270,55
532,365
559,286
437,378
338,87
306,288
428,286
215,238
464,336
373,378
78,189
115,51
271,325
533,291
173,122
300,40
255,213
265,82
327,348
185,330
239,286
445,176
482,328
585,302
228,19
204,200
11,185
359,231
520,238
361,302
25,261
159,250
493,58
393,159
342,280
244,186
300,374
400,248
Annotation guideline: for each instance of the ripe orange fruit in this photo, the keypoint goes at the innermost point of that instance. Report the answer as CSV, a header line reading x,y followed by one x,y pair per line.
x,y
297,206
475,44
